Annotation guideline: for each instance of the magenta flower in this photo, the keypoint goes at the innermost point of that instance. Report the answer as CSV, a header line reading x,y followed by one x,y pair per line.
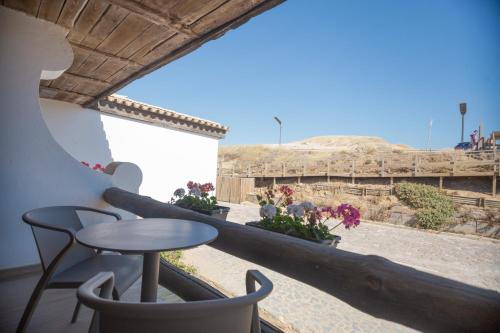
x,y
350,215
329,212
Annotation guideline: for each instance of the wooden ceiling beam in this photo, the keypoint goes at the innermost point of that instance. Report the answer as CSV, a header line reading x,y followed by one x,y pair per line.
x,y
86,78
153,17
64,95
105,54
186,48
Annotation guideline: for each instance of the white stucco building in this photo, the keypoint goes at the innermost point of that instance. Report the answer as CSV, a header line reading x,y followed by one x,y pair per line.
x,y
170,148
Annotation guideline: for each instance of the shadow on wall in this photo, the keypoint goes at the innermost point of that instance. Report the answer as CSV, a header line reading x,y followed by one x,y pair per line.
x,y
78,130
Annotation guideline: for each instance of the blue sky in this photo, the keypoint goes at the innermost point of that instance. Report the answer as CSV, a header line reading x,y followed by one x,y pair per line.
x,y
343,67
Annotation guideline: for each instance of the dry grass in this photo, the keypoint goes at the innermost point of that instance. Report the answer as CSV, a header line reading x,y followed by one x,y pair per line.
x,y
366,152
313,149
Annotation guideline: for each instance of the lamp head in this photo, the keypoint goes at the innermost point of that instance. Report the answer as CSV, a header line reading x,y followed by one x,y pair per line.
x,y
463,108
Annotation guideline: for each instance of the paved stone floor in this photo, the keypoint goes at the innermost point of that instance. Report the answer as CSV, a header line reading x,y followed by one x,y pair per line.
x,y
305,309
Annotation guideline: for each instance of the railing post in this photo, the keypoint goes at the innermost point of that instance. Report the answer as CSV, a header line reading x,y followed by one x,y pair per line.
x,y
494,186
496,171
352,172
328,171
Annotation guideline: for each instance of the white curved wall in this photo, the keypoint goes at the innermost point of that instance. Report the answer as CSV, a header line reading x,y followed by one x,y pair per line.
x,y
168,158
34,170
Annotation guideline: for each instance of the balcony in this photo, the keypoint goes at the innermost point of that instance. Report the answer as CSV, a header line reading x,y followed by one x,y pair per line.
x,y
125,40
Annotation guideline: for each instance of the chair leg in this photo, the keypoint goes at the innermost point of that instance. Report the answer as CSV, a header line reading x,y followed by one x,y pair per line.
x,y
32,303
75,312
116,297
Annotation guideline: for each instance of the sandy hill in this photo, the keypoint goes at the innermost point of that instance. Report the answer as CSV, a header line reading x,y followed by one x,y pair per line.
x,y
320,147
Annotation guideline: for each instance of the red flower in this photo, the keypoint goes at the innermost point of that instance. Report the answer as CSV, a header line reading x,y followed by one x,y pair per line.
x,y
286,190
207,187
97,167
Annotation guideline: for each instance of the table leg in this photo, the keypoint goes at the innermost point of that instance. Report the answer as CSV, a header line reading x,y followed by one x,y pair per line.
x,y
150,270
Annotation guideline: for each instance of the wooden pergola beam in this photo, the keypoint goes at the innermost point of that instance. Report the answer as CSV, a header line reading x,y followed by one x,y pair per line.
x,y
370,283
85,78
154,17
105,54
57,90
186,48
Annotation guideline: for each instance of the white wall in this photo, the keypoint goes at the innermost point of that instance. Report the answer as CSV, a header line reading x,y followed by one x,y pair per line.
x,y
79,131
34,170
168,158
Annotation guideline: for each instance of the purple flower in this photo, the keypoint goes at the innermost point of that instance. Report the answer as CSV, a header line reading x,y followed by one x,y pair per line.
x,y
350,215
329,212
268,211
195,191
295,210
308,206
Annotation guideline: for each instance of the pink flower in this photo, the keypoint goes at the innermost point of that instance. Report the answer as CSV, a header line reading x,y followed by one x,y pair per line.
x,y
329,212
350,215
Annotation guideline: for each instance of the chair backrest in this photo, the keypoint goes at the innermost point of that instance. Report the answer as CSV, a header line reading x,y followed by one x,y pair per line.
x,y
227,315
51,242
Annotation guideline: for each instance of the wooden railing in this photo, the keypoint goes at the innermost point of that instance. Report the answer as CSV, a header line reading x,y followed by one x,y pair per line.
x,y
370,283
423,164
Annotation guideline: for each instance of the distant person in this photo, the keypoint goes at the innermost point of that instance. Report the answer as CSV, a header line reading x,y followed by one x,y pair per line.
x,y
473,139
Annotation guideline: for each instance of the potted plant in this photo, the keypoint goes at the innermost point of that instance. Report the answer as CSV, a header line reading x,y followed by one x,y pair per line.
x,y
198,198
303,220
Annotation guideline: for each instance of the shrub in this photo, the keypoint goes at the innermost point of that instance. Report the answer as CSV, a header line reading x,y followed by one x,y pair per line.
x,y
433,207
175,258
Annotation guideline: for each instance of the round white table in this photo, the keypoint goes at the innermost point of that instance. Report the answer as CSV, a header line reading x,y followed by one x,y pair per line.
x,y
148,237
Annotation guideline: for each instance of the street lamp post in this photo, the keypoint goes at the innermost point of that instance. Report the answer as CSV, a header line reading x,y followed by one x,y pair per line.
x,y
279,122
463,110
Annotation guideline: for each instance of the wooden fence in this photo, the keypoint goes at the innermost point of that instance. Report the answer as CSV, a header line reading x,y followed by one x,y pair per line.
x,y
407,165
416,166
361,191
233,189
